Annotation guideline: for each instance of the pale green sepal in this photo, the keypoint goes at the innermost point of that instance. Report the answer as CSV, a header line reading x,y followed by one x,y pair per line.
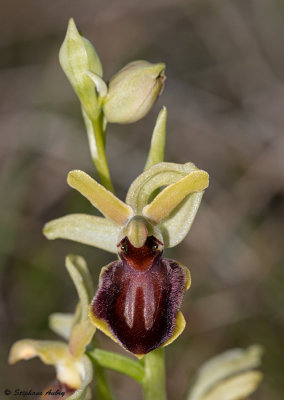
x,y
170,197
61,324
76,56
94,231
229,376
83,331
105,201
158,141
94,61
161,174
68,368
177,225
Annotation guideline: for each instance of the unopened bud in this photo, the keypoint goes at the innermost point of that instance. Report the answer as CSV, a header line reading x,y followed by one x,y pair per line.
x,y
133,90
78,58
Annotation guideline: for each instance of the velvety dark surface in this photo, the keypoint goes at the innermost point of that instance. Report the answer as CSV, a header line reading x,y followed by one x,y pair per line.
x,y
140,304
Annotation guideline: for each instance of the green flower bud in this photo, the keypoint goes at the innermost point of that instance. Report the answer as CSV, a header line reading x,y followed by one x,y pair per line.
x,y
78,58
133,90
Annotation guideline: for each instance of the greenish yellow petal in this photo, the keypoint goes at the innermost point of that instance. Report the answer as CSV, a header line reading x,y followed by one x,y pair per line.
x,y
106,202
159,175
177,224
94,231
166,201
158,141
230,375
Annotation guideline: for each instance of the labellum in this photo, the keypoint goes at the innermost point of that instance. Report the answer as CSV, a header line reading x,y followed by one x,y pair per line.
x,y
140,295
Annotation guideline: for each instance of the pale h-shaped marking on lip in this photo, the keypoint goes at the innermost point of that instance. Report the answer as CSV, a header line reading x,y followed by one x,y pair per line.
x,y
141,282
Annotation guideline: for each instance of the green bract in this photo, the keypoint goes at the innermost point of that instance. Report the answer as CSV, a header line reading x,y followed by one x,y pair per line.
x,y
79,60
158,141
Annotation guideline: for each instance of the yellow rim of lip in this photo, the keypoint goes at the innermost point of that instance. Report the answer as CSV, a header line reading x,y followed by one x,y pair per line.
x,y
102,326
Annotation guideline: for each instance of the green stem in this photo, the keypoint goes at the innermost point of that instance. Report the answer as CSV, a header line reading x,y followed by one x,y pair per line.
x,y
96,137
118,363
100,161
101,385
154,384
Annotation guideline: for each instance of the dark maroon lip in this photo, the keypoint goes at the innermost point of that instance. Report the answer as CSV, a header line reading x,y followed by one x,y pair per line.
x,y
140,308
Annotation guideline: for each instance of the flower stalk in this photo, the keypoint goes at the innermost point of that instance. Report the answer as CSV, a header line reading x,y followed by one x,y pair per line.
x,y
154,384
101,385
96,137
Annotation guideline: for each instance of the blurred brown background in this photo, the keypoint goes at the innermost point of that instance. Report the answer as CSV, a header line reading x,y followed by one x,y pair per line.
x,y
225,96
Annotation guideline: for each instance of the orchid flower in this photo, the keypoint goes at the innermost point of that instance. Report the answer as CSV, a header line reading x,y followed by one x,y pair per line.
x,y
73,368
73,375
139,296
